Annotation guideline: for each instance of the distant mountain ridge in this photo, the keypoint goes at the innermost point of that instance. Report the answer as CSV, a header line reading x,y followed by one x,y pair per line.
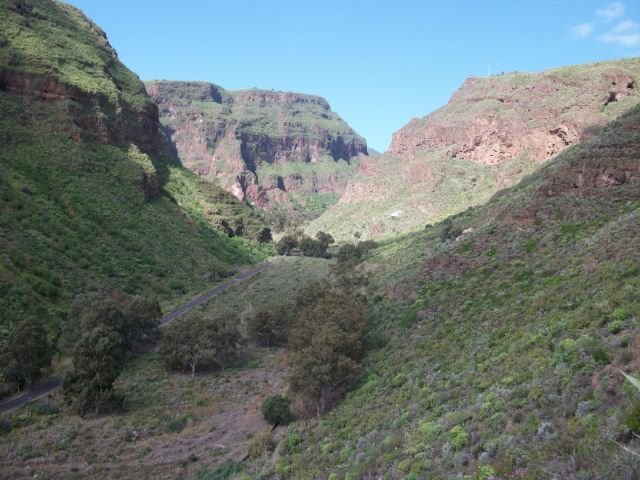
x,y
265,147
491,133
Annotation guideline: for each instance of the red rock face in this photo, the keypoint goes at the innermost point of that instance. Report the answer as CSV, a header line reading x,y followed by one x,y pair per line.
x,y
493,132
490,120
226,138
92,113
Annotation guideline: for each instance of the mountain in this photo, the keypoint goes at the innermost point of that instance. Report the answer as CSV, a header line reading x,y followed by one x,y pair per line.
x,y
498,335
89,195
492,133
266,147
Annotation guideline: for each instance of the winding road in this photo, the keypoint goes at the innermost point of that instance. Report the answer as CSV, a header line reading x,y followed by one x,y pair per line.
x,y
50,384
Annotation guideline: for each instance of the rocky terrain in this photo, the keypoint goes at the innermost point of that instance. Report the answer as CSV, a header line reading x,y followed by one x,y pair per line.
x,y
265,147
492,133
493,120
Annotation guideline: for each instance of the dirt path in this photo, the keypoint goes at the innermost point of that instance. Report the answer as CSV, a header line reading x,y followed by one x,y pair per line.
x,y
52,383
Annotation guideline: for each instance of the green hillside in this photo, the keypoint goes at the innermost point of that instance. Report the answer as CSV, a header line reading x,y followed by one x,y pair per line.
x,y
89,197
500,334
488,346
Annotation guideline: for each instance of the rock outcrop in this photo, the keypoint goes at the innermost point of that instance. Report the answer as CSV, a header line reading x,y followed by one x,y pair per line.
x,y
490,120
259,145
104,100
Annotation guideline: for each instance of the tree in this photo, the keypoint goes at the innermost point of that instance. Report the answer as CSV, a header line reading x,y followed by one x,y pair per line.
x,y
136,320
270,325
26,353
88,311
326,345
228,338
349,253
324,238
142,317
286,244
98,359
275,409
199,341
365,248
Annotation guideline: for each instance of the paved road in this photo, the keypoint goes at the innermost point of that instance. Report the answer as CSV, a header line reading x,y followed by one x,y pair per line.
x,y
35,392
52,383
200,299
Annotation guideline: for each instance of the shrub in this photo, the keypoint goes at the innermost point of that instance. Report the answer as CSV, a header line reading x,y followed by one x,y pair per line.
x,y
459,437
223,472
176,425
430,430
615,326
601,357
275,409
5,426
632,419
261,443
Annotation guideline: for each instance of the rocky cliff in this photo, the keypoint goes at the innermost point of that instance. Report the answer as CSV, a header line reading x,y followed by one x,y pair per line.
x,y
104,100
490,120
265,147
493,132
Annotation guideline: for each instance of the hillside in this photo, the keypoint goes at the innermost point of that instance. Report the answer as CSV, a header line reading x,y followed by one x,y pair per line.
x,y
482,338
89,196
272,149
499,335
492,133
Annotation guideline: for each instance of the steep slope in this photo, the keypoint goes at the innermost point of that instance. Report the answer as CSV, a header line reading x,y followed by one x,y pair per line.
x,y
492,132
500,334
89,197
265,147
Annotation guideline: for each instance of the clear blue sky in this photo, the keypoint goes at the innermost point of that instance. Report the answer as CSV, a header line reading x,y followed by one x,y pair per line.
x,y
379,63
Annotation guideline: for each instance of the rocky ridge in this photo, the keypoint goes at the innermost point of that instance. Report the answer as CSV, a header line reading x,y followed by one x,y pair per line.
x,y
491,120
107,105
493,132
260,145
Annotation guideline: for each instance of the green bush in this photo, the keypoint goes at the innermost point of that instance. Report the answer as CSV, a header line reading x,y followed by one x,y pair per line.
x,y
633,419
275,410
175,425
5,426
286,244
459,437
223,472
615,326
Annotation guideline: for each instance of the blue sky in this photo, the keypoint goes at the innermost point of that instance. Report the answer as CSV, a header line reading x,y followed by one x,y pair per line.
x,y
378,63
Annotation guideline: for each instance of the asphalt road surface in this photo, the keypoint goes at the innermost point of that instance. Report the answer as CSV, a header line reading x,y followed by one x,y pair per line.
x,y
50,384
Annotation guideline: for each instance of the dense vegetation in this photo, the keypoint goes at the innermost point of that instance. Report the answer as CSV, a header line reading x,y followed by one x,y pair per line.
x,y
82,205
